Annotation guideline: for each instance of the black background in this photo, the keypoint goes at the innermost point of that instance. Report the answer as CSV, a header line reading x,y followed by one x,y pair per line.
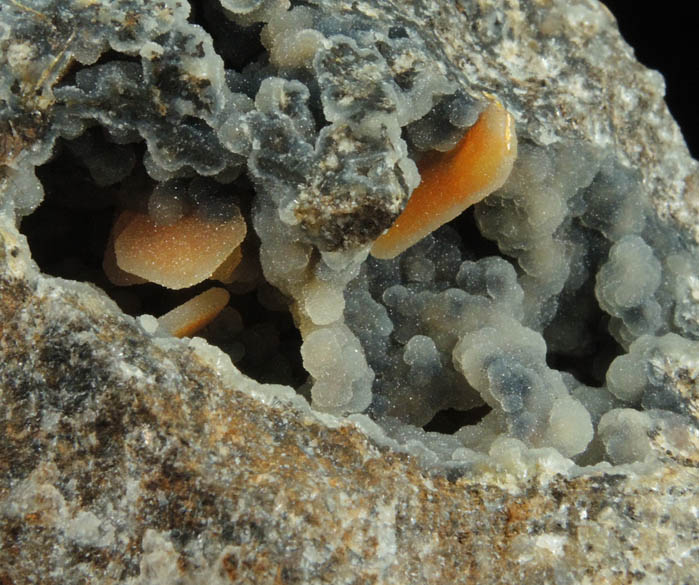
x,y
665,36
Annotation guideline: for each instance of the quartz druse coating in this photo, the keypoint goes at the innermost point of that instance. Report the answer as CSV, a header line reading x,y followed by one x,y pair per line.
x,y
253,253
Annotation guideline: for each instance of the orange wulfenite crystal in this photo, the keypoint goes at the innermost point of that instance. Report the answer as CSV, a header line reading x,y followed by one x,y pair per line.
x,y
178,255
224,273
196,313
454,180
109,264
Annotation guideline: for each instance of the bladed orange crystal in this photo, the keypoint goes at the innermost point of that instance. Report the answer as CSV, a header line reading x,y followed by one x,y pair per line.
x,y
454,180
196,313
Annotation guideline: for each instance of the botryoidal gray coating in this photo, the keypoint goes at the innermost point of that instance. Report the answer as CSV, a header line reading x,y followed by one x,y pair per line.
x,y
313,117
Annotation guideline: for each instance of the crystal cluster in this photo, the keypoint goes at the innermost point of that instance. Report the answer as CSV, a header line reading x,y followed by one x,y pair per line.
x,y
310,124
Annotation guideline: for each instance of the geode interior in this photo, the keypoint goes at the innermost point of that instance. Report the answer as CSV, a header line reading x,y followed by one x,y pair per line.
x,y
557,313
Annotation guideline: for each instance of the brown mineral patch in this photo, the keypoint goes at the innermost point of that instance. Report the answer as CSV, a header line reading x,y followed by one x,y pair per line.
x,y
517,512
18,134
229,563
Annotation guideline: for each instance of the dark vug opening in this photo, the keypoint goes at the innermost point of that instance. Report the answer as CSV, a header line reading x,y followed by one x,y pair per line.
x,y
590,365
475,245
578,340
237,45
68,234
449,421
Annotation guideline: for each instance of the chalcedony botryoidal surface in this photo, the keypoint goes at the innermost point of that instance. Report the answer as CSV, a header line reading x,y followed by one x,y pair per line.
x,y
329,167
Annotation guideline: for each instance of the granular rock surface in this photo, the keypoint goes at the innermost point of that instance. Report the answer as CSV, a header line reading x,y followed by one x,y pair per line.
x,y
285,444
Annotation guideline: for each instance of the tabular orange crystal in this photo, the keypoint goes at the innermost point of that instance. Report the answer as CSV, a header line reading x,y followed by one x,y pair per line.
x,y
177,255
454,180
224,273
196,313
109,264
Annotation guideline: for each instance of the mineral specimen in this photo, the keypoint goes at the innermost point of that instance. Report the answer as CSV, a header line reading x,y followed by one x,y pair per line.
x,y
178,255
149,147
196,313
452,181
